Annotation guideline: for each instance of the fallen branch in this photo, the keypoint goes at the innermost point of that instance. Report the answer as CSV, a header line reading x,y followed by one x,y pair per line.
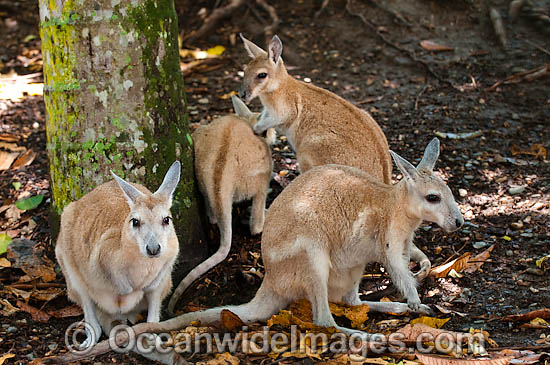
x,y
323,6
498,25
270,29
213,19
528,75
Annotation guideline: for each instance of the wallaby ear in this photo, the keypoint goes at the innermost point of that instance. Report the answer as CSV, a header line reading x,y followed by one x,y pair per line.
x,y
275,49
407,169
170,182
252,49
431,153
240,107
130,192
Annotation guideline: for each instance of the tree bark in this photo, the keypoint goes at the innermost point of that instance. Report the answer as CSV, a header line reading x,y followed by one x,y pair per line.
x,y
115,100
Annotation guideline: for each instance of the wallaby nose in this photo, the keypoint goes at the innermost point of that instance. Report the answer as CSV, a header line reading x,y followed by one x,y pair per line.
x,y
153,250
459,223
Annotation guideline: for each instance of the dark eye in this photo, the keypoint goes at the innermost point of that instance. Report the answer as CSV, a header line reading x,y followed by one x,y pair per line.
x,y
135,222
166,220
262,75
432,198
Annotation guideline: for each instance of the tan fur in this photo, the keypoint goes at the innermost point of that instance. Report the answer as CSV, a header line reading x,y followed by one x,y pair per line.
x,y
231,164
108,272
322,127
326,226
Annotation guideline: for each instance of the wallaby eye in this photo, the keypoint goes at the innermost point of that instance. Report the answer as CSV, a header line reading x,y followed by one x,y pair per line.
x,y
262,75
166,221
432,198
135,222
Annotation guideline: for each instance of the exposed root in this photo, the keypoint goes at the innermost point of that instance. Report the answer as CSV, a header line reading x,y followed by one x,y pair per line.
x,y
213,19
529,75
410,54
323,6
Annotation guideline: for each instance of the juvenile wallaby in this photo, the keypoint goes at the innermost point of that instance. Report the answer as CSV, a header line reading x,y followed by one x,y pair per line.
x,y
231,164
326,226
321,127
116,248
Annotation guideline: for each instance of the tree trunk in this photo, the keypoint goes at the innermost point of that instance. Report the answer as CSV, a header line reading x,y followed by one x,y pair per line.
x,y
115,100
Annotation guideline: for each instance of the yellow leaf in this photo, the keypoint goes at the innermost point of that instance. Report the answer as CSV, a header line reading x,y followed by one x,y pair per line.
x,y
228,95
506,238
356,314
541,261
430,321
5,357
4,262
539,321
216,51
222,359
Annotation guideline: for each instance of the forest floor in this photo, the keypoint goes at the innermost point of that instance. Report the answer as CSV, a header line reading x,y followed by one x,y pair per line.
x,y
371,55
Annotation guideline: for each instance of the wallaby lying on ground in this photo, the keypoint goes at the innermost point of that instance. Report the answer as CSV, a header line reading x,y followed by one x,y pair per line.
x,y
231,164
326,226
116,248
321,127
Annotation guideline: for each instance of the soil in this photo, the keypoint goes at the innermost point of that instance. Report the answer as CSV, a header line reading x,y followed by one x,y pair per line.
x,y
414,94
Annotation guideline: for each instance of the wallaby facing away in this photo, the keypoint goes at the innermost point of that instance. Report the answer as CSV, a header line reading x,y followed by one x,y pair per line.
x,y
116,248
231,164
326,226
321,127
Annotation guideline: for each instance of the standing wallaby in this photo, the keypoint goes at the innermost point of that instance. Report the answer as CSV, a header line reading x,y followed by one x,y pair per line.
x,y
116,248
326,226
321,127
231,164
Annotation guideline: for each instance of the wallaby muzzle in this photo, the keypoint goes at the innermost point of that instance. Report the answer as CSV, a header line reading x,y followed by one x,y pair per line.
x,y
244,93
152,246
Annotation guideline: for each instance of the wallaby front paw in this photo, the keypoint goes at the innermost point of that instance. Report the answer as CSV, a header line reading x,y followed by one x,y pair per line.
x,y
424,271
420,308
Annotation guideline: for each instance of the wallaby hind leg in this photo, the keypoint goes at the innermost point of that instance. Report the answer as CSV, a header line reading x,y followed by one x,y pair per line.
x,y
209,211
224,223
257,216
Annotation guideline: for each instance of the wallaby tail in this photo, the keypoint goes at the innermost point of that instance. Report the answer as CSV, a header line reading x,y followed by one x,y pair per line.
x,y
224,223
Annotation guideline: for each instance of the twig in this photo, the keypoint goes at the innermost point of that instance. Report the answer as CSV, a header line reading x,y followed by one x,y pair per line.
x,y
535,347
270,29
37,286
410,54
323,6
214,18
537,47
528,75
419,95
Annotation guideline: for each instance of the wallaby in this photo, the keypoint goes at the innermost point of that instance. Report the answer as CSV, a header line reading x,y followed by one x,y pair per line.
x,y
321,127
231,164
323,229
116,247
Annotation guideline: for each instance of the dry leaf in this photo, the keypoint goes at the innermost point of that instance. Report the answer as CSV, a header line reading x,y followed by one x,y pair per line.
x,y
411,332
36,314
7,308
477,261
20,293
228,95
4,262
430,321
6,159
71,311
230,320
444,360
33,262
24,160
435,47
4,357
221,359
357,314
539,313
457,264
6,137
520,357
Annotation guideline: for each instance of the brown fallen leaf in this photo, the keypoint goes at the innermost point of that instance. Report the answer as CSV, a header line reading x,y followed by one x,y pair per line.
x,y
435,47
412,332
457,265
537,150
6,159
24,160
230,320
6,137
7,308
221,359
521,357
539,313
445,360
4,357
70,311
4,262
477,261
36,314
32,261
